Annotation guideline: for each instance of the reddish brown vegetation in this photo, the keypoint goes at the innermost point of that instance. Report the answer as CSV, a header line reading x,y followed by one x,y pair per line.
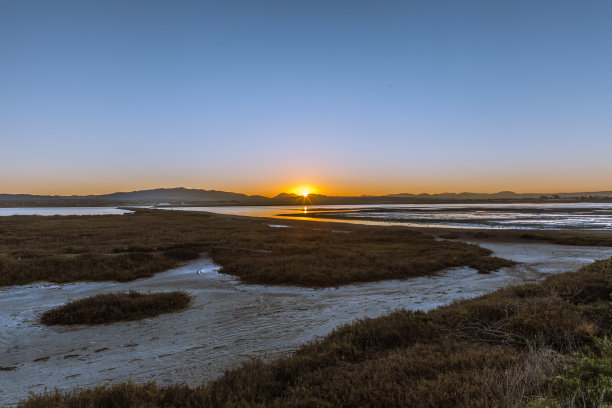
x,y
131,246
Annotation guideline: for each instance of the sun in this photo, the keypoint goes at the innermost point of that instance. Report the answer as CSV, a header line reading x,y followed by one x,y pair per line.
x,y
304,190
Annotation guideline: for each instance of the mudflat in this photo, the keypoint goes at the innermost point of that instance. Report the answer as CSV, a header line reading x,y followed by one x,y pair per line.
x,y
226,322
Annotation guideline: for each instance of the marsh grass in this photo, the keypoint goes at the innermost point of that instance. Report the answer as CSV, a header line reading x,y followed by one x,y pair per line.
x,y
131,246
597,238
319,258
82,267
115,307
603,238
506,349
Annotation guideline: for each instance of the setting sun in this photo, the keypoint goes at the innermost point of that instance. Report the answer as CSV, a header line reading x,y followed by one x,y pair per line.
x,y
303,191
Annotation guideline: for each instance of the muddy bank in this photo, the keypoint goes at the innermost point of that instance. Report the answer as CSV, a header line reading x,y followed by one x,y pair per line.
x,y
227,320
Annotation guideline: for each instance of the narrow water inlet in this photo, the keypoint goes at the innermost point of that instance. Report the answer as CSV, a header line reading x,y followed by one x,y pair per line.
x,y
226,322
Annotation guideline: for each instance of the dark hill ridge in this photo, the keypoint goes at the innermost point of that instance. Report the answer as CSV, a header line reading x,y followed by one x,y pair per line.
x,y
470,196
185,196
297,196
174,194
177,196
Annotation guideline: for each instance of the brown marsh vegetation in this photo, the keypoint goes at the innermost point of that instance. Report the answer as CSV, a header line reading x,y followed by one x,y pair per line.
x,y
131,246
600,238
535,345
115,307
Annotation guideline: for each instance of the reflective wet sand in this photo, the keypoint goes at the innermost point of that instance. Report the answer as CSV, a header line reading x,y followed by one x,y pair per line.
x,y
529,216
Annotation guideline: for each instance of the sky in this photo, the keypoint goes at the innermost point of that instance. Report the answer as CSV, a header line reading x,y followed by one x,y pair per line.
x,y
347,97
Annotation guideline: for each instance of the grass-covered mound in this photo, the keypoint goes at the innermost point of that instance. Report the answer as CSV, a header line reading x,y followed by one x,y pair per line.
x,y
115,307
131,246
320,258
525,346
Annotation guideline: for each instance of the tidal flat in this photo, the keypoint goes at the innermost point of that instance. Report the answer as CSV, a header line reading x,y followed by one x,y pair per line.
x,y
594,216
230,321
227,321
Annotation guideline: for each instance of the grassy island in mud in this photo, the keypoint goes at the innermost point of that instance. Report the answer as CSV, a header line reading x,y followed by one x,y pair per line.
x,y
116,307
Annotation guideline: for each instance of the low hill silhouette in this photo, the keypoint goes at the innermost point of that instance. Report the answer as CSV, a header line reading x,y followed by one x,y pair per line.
x,y
181,196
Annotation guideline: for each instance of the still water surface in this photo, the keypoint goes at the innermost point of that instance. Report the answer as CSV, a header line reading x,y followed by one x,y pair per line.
x,y
62,211
545,216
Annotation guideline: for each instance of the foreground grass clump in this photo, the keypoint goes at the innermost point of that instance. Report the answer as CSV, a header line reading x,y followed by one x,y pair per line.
x,y
516,347
121,395
588,377
114,307
131,246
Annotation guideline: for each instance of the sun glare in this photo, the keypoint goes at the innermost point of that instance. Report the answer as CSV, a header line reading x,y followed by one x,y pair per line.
x,y
303,190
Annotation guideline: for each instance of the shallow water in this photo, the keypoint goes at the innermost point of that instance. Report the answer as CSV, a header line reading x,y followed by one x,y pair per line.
x,y
588,216
226,322
62,211
546,216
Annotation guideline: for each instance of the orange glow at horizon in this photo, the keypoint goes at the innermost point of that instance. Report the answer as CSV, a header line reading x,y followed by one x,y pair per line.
x,y
304,190
493,183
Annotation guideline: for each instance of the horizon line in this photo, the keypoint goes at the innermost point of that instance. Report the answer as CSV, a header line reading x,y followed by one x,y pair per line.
x,y
314,194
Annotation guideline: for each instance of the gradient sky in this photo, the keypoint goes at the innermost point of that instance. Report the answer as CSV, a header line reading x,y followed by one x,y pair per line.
x,y
351,97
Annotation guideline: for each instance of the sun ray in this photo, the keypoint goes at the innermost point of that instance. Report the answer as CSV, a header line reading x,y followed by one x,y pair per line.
x,y
303,190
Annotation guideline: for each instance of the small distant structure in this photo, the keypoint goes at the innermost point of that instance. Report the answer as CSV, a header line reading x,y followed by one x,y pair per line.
x,y
164,205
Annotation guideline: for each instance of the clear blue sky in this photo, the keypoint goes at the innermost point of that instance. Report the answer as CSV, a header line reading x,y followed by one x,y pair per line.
x,y
352,97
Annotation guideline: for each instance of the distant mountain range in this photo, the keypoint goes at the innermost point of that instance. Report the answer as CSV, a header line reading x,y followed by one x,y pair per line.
x,y
175,196
191,197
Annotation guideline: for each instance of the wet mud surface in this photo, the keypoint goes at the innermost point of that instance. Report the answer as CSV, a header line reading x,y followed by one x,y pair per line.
x,y
226,322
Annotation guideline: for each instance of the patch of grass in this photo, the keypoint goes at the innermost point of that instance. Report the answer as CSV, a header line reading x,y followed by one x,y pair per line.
x,y
576,238
586,380
501,350
320,258
115,307
124,395
588,376
91,267
131,246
